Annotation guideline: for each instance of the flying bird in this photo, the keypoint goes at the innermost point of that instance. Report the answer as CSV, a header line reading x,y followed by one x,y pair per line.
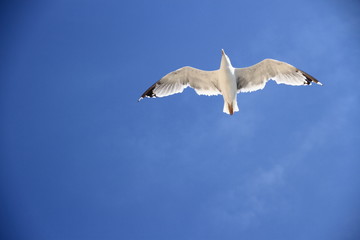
x,y
229,81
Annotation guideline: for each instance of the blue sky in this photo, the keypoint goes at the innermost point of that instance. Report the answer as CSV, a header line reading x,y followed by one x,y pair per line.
x,y
82,159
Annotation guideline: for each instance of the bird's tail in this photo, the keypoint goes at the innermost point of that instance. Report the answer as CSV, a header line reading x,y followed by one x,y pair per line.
x,y
230,108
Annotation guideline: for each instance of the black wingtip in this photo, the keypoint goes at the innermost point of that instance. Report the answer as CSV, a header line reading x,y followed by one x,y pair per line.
x,y
148,93
309,79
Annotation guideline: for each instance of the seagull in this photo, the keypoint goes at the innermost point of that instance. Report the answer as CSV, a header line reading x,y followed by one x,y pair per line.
x,y
229,81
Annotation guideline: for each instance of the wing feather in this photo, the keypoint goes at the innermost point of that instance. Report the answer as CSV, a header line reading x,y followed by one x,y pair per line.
x,y
255,77
203,82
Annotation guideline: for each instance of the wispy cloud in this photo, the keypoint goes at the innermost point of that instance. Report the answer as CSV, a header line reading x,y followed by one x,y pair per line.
x,y
246,202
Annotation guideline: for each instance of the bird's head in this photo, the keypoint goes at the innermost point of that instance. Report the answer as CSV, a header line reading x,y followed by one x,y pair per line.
x,y
225,61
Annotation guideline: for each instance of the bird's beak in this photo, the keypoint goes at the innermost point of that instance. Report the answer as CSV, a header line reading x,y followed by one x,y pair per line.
x,y
222,52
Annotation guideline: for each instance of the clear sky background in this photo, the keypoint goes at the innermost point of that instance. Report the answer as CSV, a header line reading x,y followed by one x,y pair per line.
x,y
82,159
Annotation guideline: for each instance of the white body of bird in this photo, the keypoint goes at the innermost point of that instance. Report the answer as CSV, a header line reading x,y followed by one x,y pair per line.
x,y
227,84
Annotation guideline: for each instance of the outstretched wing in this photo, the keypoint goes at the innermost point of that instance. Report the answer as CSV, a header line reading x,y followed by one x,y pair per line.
x,y
204,83
255,77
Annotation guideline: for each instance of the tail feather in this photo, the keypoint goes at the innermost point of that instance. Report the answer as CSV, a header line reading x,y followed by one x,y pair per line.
x,y
230,108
